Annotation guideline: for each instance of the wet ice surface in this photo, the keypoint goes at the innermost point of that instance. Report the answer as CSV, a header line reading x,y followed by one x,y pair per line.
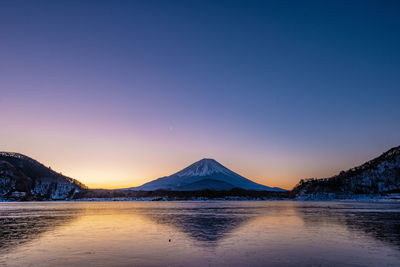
x,y
274,233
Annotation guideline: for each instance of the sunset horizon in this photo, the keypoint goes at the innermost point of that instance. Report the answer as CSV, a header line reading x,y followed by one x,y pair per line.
x,y
185,163
112,99
199,133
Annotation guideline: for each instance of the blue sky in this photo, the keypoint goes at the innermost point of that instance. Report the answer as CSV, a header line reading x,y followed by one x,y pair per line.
x,y
276,90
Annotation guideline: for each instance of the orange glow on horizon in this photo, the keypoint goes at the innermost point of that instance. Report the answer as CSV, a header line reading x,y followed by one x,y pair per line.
x,y
112,161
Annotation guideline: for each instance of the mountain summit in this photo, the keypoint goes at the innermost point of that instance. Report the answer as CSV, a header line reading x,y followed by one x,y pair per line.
x,y
203,174
204,167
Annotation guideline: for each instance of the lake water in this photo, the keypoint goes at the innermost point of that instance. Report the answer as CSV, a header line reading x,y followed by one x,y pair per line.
x,y
270,233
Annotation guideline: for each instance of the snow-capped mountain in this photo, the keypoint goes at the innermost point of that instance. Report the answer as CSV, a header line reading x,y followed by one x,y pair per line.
x,y
203,174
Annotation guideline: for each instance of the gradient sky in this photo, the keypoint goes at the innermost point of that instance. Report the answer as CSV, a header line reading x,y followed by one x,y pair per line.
x,y
117,93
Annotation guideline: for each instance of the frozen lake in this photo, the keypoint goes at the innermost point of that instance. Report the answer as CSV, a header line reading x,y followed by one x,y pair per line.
x,y
273,233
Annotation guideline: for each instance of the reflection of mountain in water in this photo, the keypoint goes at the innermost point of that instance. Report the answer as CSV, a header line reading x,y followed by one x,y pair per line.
x,y
381,224
204,225
17,230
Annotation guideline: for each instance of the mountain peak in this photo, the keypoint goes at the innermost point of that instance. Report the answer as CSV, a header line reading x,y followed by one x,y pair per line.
x,y
207,160
204,174
204,167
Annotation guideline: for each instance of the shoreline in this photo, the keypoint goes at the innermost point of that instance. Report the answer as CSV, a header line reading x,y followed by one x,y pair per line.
x,y
367,200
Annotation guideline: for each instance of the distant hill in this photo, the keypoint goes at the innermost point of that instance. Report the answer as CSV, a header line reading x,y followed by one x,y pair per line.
x,y
24,178
202,175
376,177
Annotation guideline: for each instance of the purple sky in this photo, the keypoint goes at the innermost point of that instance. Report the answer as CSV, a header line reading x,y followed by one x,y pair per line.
x,y
116,93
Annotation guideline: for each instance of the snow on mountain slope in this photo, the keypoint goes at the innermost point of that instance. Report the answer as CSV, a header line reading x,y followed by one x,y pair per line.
x,y
377,177
204,167
203,174
25,178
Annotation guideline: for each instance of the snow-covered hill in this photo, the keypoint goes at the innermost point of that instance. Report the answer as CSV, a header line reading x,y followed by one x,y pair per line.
x,y
203,174
22,177
380,176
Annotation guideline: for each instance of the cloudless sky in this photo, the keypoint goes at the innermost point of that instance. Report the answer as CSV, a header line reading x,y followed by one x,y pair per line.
x,y
117,93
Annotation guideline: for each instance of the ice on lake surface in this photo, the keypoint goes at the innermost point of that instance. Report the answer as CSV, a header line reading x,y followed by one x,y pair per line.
x,y
270,233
